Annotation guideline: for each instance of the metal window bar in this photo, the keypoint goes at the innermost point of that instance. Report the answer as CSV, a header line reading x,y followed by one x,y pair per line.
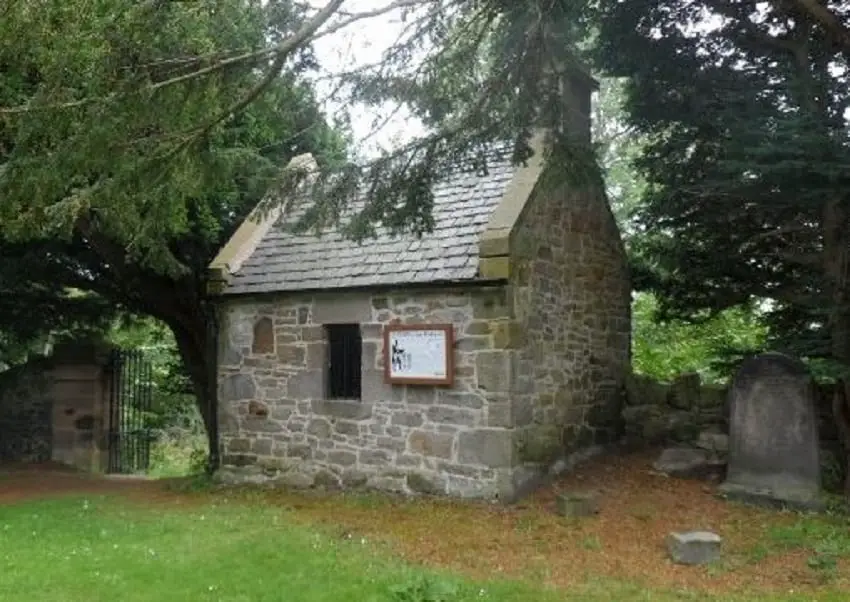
x,y
344,370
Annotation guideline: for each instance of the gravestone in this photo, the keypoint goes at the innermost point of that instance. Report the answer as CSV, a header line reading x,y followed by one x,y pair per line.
x,y
773,435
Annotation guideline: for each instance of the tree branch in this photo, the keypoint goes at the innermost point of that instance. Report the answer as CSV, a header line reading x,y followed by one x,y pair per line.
x,y
307,33
72,104
828,20
369,14
282,51
222,64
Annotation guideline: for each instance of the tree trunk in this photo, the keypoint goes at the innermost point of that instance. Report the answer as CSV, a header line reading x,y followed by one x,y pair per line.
x,y
180,303
837,272
195,335
841,412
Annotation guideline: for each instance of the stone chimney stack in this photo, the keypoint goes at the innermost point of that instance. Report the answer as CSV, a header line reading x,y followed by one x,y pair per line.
x,y
577,88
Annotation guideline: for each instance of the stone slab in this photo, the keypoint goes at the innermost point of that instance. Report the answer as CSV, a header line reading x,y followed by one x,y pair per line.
x,y
713,442
577,504
694,547
777,498
688,463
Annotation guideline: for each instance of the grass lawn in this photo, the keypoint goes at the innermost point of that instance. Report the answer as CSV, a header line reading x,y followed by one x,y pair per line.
x,y
109,548
114,540
91,549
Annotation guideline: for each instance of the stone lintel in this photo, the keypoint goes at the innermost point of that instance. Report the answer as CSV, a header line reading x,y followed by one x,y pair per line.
x,y
250,232
349,410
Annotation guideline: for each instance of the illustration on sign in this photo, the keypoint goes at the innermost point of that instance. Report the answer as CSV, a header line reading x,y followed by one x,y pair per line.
x,y
419,354
400,358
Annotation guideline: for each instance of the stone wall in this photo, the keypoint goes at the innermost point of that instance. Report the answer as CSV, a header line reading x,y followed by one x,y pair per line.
x,y
80,377
658,413
572,296
56,409
276,426
25,414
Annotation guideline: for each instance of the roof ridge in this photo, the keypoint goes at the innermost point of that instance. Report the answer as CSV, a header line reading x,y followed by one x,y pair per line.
x,y
498,153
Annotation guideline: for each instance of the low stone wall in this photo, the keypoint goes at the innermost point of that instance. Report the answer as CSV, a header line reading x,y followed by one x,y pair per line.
x,y
25,414
658,413
55,409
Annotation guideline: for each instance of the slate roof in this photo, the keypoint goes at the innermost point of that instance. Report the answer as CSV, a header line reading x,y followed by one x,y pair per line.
x,y
463,203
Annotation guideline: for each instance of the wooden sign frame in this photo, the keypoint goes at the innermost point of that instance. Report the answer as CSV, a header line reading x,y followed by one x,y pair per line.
x,y
446,380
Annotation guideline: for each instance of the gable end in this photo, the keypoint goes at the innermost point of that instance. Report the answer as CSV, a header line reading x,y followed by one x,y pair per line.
x,y
494,246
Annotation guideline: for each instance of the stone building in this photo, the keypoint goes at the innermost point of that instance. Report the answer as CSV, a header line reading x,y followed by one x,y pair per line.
x,y
532,280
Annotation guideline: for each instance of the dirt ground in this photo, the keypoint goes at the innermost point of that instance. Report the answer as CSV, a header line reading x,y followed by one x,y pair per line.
x,y
20,483
638,508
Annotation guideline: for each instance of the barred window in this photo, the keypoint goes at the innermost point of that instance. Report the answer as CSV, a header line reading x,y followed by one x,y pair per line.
x,y
344,358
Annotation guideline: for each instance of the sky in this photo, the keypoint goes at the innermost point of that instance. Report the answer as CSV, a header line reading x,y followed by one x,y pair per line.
x,y
360,44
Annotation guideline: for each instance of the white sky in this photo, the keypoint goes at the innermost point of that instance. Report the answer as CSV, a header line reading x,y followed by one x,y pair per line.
x,y
359,44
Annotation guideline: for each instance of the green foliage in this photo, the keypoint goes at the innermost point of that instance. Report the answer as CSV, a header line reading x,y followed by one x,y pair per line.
x,y
663,347
619,145
828,542
135,111
125,162
745,161
173,401
101,132
178,453
667,348
37,311
179,447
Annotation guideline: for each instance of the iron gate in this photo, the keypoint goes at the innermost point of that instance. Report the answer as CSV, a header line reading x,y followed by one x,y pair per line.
x,y
131,394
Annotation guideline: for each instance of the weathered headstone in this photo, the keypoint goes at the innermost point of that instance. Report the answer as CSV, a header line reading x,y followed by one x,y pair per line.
x,y
694,547
773,438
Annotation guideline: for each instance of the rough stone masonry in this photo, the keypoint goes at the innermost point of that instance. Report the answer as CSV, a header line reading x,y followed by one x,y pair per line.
x,y
539,364
529,270
277,425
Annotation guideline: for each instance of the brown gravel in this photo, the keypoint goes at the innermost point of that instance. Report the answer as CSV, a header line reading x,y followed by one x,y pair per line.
x,y
625,541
